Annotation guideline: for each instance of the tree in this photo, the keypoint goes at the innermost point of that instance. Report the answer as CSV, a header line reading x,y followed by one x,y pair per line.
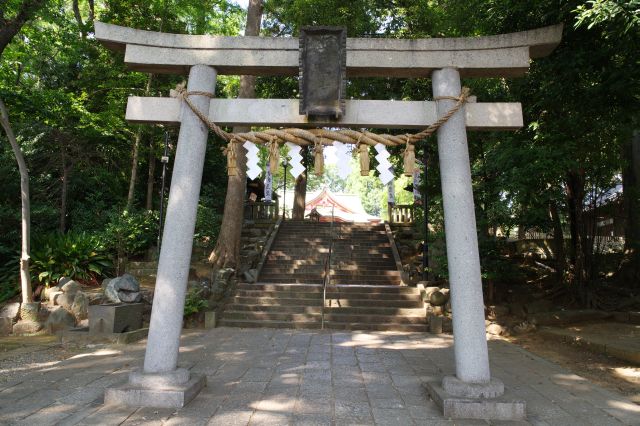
x,y
227,250
25,277
10,26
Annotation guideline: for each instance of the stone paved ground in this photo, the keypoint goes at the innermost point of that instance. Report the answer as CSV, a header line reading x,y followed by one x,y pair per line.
x,y
279,377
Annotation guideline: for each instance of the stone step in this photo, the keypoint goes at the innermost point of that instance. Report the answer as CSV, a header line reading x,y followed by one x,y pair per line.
x,y
273,308
288,294
328,325
337,318
374,277
351,281
270,324
317,309
374,303
377,327
341,289
330,294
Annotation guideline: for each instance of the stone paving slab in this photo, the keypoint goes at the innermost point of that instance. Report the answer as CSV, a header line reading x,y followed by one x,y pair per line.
x,y
299,377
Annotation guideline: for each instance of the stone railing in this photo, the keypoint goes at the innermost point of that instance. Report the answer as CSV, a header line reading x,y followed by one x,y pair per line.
x,y
261,211
401,213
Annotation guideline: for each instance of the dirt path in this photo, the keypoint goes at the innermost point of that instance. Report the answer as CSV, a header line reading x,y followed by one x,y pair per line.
x,y
606,371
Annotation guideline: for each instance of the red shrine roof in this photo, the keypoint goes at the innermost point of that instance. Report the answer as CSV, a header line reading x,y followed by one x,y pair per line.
x,y
345,207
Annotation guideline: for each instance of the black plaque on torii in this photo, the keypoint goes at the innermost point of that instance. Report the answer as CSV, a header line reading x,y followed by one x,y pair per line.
x,y
323,65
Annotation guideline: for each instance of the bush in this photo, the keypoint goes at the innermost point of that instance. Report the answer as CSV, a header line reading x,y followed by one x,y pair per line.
x,y
131,233
74,255
194,303
9,275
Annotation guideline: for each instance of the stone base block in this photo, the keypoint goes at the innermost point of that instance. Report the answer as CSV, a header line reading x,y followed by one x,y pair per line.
x,y
210,320
167,397
27,327
80,336
503,408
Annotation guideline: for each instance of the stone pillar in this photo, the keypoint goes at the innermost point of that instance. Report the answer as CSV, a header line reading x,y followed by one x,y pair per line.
x,y
467,305
167,385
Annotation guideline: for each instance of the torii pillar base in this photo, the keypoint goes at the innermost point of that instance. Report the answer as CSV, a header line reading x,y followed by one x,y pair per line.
x,y
157,390
478,404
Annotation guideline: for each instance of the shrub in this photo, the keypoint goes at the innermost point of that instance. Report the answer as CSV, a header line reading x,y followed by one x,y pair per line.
x,y
131,233
194,302
10,278
74,255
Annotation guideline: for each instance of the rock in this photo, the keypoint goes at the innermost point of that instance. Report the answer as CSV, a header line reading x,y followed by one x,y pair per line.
x,y
47,292
71,288
27,327
6,326
80,306
496,311
111,293
495,329
59,319
437,298
126,282
10,310
251,276
428,291
53,297
524,327
65,300
62,281
129,296
105,283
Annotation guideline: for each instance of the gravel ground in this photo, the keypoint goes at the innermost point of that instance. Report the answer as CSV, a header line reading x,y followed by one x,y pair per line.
x,y
20,361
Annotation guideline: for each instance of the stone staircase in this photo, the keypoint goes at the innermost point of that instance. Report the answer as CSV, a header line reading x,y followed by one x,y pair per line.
x,y
364,291
361,255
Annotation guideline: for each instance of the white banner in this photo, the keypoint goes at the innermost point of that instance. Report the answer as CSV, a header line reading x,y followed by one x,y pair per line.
x,y
253,169
391,192
268,185
384,165
295,159
343,159
416,183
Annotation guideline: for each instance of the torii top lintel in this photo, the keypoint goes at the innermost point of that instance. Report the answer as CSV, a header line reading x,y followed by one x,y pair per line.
x,y
504,55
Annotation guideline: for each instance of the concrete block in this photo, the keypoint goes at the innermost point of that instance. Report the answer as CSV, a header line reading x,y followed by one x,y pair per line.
x,y
435,324
210,319
167,397
115,318
503,408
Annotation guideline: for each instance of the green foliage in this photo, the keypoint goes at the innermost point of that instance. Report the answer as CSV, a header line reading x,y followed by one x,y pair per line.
x,y
75,255
194,302
131,233
9,274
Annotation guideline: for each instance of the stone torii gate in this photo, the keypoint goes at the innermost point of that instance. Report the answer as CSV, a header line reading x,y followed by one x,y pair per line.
x,y
472,392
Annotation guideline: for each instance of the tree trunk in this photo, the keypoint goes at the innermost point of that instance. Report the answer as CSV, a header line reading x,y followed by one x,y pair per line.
x,y
300,191
66,172
151,176
575,200
76,12
136,149
629,270
227,250
25,277
8,29
558,239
